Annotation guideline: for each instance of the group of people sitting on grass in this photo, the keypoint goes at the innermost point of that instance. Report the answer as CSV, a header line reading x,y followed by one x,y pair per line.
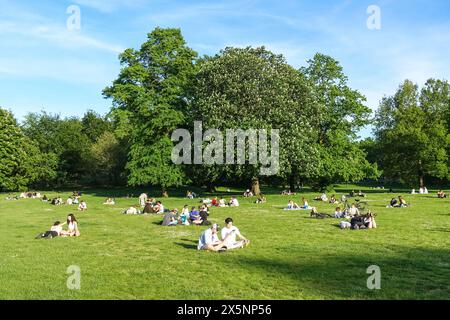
x,y
57,229
398,203
215,202
422,190
30,195
287,193
360,222
196,216
74,200
210,241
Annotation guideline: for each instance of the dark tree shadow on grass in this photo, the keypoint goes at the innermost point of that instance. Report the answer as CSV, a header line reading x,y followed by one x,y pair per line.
x,y
408,274
186,245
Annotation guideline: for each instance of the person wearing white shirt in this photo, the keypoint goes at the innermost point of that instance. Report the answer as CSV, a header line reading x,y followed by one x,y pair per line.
x,y
229,233
143,199
222,202
234,202
209,240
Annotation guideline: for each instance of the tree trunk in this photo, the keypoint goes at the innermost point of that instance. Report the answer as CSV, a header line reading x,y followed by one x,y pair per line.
x,y
210,188
421,180
255,186
292,183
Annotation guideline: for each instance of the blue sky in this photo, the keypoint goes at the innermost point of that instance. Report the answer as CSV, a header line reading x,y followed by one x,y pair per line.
x,y
44,66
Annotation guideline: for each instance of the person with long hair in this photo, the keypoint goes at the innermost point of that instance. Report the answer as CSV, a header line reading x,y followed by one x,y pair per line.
x,y
72,226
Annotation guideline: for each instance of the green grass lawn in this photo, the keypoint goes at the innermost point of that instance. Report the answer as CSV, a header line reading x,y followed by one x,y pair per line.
x,y
291,256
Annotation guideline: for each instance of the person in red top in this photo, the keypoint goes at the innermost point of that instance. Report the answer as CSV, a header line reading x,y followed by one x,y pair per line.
x,y
214,202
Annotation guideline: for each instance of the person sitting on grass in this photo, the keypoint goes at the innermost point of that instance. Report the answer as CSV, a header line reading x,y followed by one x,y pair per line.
x,y
158,207
132,210
292,205
170,219
364,222
222,202
82,206
54,231
261,199
72,226
338,214
148,208
402,202
194,217
184,216
441,194
69,201
209,240
333,200
204,217
215,202
143,199
229,233
109,202
353,211
234,202
44,198
361,194
305,205
248,193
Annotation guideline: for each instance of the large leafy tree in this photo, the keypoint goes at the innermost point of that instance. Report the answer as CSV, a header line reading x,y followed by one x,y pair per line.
x,y
21,162
63,140
150,97
412,132
341,114
253,88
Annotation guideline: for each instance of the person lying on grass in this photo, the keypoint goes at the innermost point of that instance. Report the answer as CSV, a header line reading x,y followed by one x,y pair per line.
x,y
229,233
132,210
315,214
209,240
292,205
54,231
109,202
441,194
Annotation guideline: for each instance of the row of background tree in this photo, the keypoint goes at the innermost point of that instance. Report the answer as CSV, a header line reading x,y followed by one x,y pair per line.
x,y
164,85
